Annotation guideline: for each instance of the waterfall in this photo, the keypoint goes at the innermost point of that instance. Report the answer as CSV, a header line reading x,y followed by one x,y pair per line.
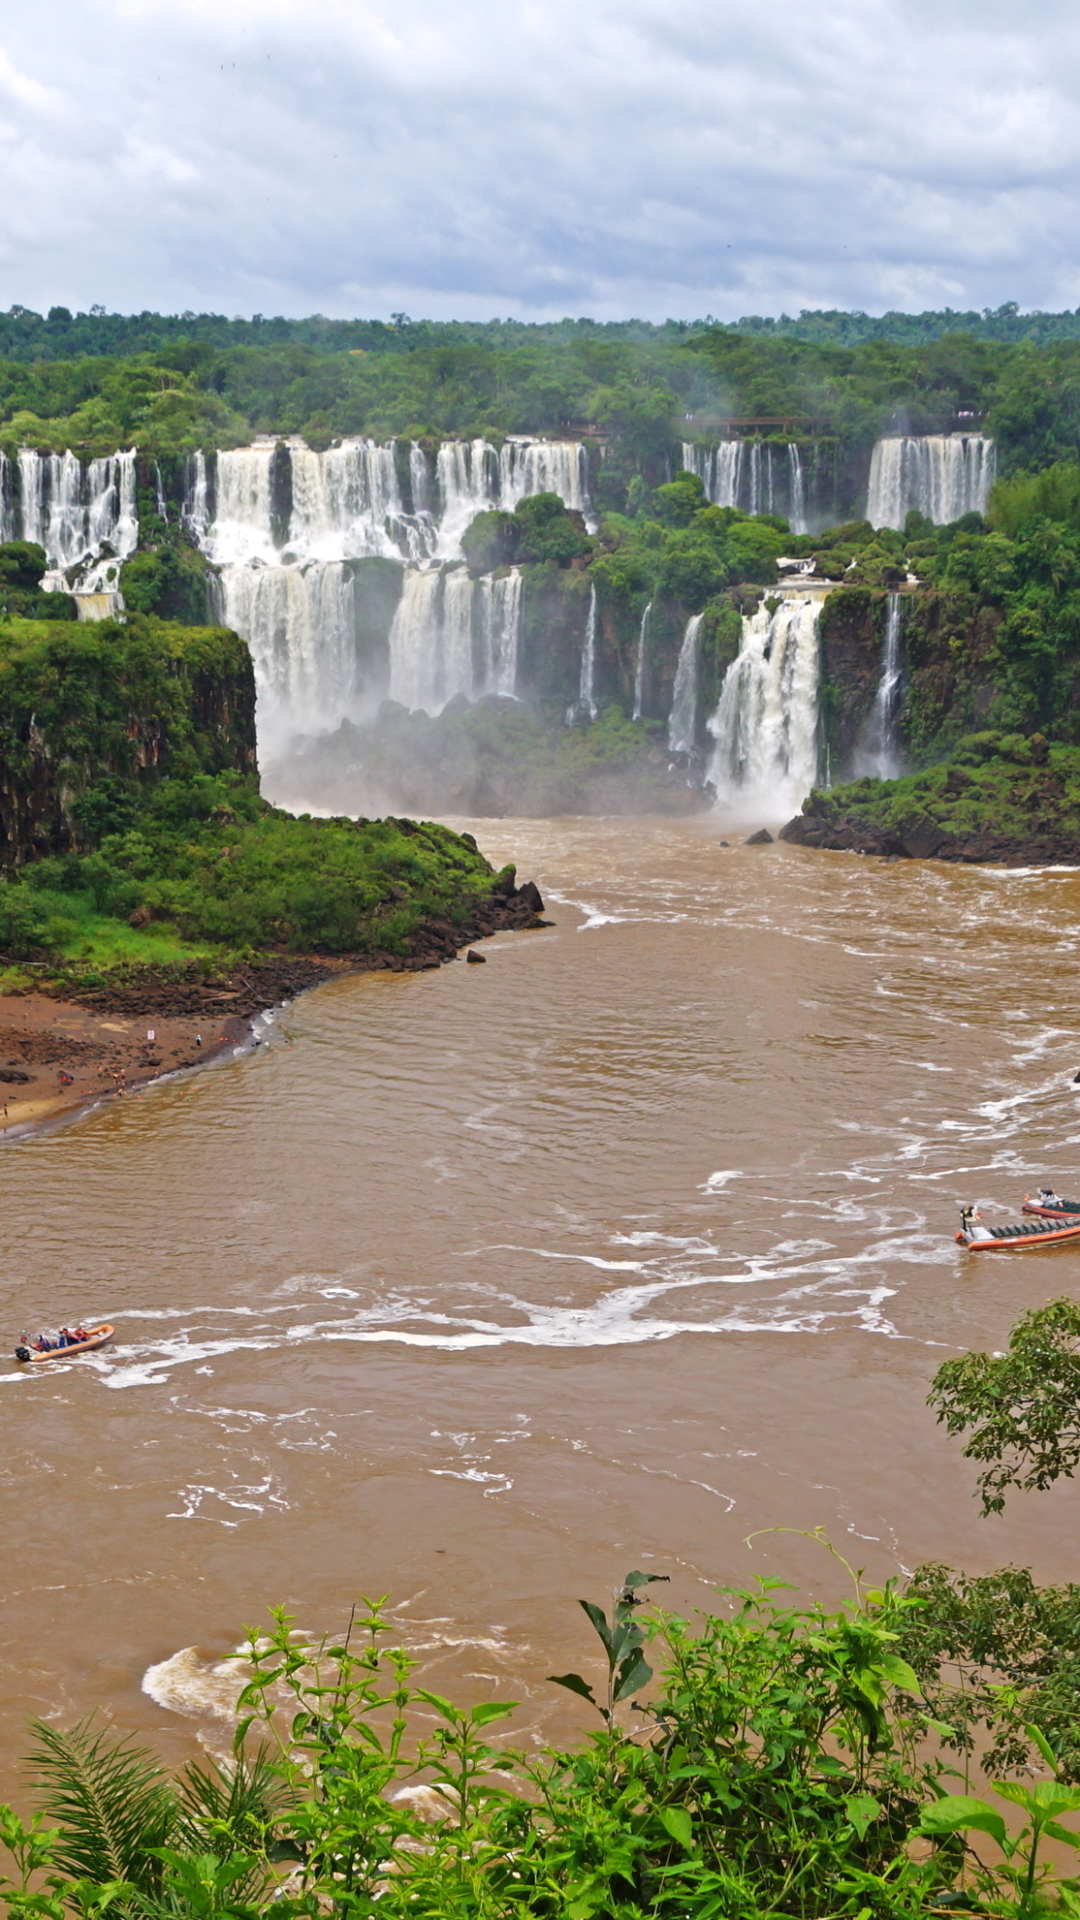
x,y
7,504
346,503
500,631
452,635
942,475
639,674
74,511
195,511
471,478
682,726
160,506
300,623
765,726
877,753
796,490
718,468
586,699
544,466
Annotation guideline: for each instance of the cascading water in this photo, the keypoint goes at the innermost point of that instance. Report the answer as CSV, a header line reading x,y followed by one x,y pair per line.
x,y
75,511
718,468
639,671
942,475
877,753
452,634
753,476
765,727
682,725
586,690
300,623
796,490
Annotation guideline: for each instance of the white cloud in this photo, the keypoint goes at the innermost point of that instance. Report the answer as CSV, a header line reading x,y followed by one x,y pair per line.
x,y
644,156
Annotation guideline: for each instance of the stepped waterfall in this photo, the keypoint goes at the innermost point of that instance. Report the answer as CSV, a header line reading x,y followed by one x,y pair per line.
x,y
754,476
943,475
765,727
682,724
83,514
878,753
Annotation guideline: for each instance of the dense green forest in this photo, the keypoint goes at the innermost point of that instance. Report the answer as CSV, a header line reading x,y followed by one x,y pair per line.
x,y
103,382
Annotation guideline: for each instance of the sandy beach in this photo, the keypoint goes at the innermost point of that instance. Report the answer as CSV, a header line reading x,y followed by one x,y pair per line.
x,y
56,1055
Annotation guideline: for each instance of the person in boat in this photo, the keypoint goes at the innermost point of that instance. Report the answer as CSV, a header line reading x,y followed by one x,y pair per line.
x,y
81,1333
968,1215
42,1344
1048,1198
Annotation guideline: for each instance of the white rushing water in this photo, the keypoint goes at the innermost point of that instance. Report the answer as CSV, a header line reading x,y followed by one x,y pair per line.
x,y
682,724
942,475
587,684
300,623
639,671
453,634
878,753
764,762
78,511
752,475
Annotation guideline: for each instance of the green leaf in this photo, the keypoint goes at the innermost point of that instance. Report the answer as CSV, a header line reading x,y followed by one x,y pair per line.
x,y
861,1810
489,1710
599,1620
898,1673
679,1825
1039,1740
635,1580
575,1683
1057,1832
634,1673
956,1812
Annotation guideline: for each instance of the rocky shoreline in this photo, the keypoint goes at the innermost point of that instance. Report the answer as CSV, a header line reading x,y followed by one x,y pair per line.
x,y
925,839
61,1050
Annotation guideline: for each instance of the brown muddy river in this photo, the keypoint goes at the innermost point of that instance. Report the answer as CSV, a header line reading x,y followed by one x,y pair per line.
x,y
480,1287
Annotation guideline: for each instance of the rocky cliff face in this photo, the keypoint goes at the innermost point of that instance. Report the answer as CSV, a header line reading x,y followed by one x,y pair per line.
x,y
91,716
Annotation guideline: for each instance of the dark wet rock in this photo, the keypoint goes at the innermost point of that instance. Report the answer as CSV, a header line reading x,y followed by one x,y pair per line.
x,y
13,1077
762,838
480,960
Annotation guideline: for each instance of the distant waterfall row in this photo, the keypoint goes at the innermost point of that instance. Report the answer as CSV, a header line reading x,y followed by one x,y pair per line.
x,y
276,504
941,475
80,513
754,476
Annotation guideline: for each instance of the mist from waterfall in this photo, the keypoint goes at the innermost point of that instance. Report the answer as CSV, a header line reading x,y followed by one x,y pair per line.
x,y
878,752
942,475
682,724
765,728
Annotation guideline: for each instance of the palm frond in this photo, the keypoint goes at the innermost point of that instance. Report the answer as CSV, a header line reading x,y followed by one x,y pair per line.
x,y
232,1812
112,1801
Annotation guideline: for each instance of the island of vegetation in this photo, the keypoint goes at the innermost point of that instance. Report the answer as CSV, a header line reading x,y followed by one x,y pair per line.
x,y
150,899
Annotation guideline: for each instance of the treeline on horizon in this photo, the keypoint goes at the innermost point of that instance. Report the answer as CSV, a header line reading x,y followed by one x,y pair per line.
x,y
61,334
639,389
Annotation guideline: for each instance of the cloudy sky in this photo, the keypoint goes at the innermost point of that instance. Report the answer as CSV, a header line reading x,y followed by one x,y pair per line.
x,y
474,158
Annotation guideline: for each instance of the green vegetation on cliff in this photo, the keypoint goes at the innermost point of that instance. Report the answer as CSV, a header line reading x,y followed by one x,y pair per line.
x,y
131,826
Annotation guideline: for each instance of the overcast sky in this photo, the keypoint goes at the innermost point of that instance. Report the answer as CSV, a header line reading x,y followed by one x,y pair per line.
x,y
474,158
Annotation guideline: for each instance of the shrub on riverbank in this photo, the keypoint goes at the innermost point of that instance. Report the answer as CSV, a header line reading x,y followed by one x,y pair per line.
x,y
787,1765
